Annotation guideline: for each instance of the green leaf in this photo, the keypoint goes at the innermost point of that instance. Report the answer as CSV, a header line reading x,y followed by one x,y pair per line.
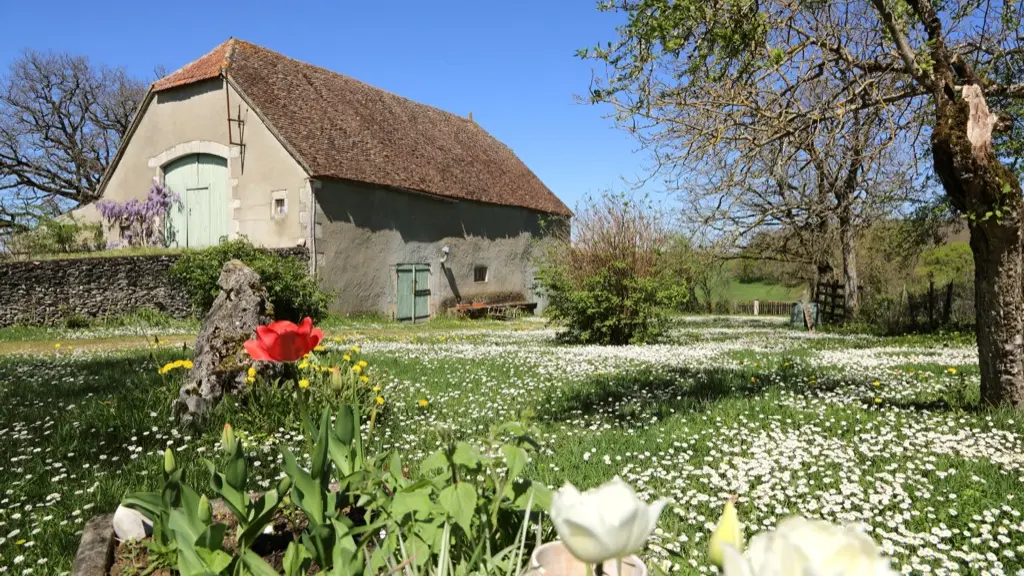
x,y
256,565
541,497
261,513
149,504
515,458
437,460
216,560
212,538
466,455
414,501
306,491
345,426
296,560
460,503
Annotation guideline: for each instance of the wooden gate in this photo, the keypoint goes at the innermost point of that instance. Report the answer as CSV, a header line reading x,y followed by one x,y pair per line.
x,y
413,291
831,300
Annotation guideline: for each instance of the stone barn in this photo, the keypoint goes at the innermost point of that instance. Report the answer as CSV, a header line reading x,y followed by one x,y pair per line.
x,y
403,208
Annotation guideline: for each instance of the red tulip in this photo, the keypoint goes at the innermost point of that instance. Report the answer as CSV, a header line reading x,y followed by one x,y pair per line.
x,y
283,341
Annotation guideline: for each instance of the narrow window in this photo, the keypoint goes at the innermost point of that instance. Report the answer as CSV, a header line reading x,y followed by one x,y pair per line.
x,y
278,204
480,274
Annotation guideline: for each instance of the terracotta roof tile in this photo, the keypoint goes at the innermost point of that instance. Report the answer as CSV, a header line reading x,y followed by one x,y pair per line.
x,y
209,66
343,128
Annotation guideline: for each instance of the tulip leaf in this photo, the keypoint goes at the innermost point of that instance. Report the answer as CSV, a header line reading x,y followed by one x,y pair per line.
x,y
460,503
258,566
515,458
216,560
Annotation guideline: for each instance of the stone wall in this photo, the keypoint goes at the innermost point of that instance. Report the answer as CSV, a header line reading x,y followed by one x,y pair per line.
x,y
49,292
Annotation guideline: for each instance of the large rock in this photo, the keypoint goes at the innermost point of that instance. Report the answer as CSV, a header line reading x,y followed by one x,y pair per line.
x,y
220,362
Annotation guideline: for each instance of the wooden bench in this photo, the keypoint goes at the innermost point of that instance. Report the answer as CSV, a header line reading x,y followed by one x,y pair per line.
x,y
502,311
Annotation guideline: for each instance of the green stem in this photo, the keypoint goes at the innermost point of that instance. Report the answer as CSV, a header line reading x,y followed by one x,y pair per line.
x,y
599,569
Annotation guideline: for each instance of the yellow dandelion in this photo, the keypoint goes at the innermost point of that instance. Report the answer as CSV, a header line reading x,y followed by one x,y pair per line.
x,y
877,383
303,383
363,363
423,402
250,380
57,345
376,388
364,379
347,358
878,400
336,339
252,372
303,365
951,370
357,368
355,349
380,400
318,348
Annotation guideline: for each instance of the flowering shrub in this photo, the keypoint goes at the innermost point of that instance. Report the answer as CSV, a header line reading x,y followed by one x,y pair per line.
x,y
141,223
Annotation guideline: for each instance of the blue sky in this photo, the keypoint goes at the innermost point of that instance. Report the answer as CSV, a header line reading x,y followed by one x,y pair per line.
x,y
511,63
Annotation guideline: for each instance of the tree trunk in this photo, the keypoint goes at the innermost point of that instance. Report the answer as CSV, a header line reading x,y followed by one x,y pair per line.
x,y
981,187
848,236
999,301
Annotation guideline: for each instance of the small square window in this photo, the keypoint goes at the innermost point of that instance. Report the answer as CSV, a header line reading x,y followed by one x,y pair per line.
x,y
480,274
278,204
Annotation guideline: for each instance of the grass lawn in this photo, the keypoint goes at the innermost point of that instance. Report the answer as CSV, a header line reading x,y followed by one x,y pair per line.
x,y
748,292
847,427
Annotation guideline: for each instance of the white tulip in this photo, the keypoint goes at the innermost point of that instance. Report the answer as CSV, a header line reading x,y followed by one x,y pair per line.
x,y
604,523
808,548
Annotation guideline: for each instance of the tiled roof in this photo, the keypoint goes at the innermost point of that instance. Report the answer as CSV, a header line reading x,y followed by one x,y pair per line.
x,y
209,66
343,128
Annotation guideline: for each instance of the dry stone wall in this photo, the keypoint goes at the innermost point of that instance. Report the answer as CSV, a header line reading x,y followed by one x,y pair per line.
x,y
49,292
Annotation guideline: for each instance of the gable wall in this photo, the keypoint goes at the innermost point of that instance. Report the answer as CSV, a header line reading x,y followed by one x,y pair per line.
x,y
193,119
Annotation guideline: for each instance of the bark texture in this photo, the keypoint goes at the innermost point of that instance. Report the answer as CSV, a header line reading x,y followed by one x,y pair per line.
x,y
982,187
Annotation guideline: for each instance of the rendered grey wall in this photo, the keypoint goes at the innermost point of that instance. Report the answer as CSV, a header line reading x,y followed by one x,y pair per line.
x,y
362,233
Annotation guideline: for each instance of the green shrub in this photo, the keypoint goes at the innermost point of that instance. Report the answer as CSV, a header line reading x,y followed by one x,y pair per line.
x,y
613,283
612,306
292,291
62,235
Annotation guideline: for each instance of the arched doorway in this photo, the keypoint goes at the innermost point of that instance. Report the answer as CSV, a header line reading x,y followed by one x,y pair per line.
x,y
201,218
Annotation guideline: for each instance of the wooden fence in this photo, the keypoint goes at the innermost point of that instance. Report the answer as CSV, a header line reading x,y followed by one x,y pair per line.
x,y
762,308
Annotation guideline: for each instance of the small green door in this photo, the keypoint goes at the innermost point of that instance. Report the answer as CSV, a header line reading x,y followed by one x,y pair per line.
x,y
201,218
413,291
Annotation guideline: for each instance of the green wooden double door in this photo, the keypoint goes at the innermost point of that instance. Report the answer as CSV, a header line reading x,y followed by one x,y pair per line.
x,y
201,218
413,291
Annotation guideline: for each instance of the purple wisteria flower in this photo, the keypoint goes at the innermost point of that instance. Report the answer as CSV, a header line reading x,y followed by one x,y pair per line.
x,y
141,223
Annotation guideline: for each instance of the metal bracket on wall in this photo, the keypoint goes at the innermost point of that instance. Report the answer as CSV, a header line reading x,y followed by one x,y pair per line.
x,y
239,121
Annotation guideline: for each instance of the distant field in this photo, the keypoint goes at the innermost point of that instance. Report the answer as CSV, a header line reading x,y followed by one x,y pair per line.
x,y
741,292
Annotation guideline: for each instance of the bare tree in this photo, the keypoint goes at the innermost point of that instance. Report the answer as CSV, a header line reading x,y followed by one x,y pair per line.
x,y
707,72
61,120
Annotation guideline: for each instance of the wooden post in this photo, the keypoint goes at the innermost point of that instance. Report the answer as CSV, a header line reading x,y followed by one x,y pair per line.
x,y
947,311
755,307
931,302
